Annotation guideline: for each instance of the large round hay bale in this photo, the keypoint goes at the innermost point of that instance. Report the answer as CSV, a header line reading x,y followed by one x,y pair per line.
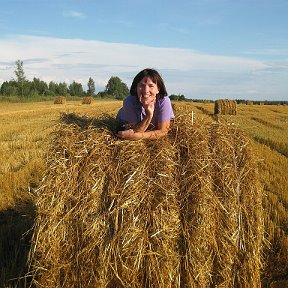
x,y
239,211
87,100
225,107
60,100
195,201
181,211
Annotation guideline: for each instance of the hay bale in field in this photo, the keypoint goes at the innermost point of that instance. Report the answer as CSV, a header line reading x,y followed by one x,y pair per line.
x,y
182,211
87,100
60,100
225,107
196,202
239,212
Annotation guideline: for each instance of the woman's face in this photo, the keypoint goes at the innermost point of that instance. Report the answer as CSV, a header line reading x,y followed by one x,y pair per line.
x,y
147,91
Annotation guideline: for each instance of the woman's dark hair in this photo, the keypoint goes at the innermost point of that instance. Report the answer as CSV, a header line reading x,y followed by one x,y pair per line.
x,y
154,76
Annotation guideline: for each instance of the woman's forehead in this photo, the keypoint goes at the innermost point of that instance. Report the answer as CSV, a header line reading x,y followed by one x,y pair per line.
x,y
147,80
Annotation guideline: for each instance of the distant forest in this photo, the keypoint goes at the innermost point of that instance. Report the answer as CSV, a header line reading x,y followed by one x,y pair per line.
x,y
22,88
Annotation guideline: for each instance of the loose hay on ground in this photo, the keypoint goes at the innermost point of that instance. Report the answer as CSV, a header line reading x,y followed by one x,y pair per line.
x,y
181,211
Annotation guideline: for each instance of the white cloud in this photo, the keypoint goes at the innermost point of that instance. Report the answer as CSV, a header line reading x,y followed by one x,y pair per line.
x,y
74,14
194,74
269,52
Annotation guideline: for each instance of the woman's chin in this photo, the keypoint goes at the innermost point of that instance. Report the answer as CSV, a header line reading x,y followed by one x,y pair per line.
x,y
145,102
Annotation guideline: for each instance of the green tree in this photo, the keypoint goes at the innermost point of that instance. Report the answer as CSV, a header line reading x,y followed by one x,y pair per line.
x,y
177,97
52,88
40,87
116,88
62,89
9,88
20,76
91,87
103,94
59,89
76,89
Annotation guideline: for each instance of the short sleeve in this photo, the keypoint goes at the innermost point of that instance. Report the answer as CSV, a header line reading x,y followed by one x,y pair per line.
x,y
129,112
165,112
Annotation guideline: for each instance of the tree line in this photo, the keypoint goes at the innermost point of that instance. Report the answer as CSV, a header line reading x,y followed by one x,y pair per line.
x,y
115,88
20,86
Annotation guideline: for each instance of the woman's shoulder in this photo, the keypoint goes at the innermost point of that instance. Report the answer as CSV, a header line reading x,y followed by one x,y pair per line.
x,y
164,101
130,99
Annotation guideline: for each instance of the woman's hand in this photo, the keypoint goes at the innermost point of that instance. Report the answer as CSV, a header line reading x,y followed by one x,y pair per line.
x,y
148,103
150,107
129,135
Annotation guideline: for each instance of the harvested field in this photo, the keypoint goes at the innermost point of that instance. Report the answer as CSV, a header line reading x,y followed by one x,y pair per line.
x,y
182,211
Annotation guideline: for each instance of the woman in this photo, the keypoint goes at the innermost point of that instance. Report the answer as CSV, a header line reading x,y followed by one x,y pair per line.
x,y
147,111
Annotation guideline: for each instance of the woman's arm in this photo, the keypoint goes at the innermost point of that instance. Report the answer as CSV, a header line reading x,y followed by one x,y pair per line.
x,y
131,117
144,124
133,134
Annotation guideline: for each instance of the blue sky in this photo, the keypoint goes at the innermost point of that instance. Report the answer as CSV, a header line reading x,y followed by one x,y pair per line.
x,y
205,49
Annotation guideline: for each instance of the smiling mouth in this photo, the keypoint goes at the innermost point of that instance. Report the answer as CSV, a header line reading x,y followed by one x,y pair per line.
x,y
145,95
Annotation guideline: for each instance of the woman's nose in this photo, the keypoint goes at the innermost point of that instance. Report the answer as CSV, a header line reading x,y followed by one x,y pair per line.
x,y
146,89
